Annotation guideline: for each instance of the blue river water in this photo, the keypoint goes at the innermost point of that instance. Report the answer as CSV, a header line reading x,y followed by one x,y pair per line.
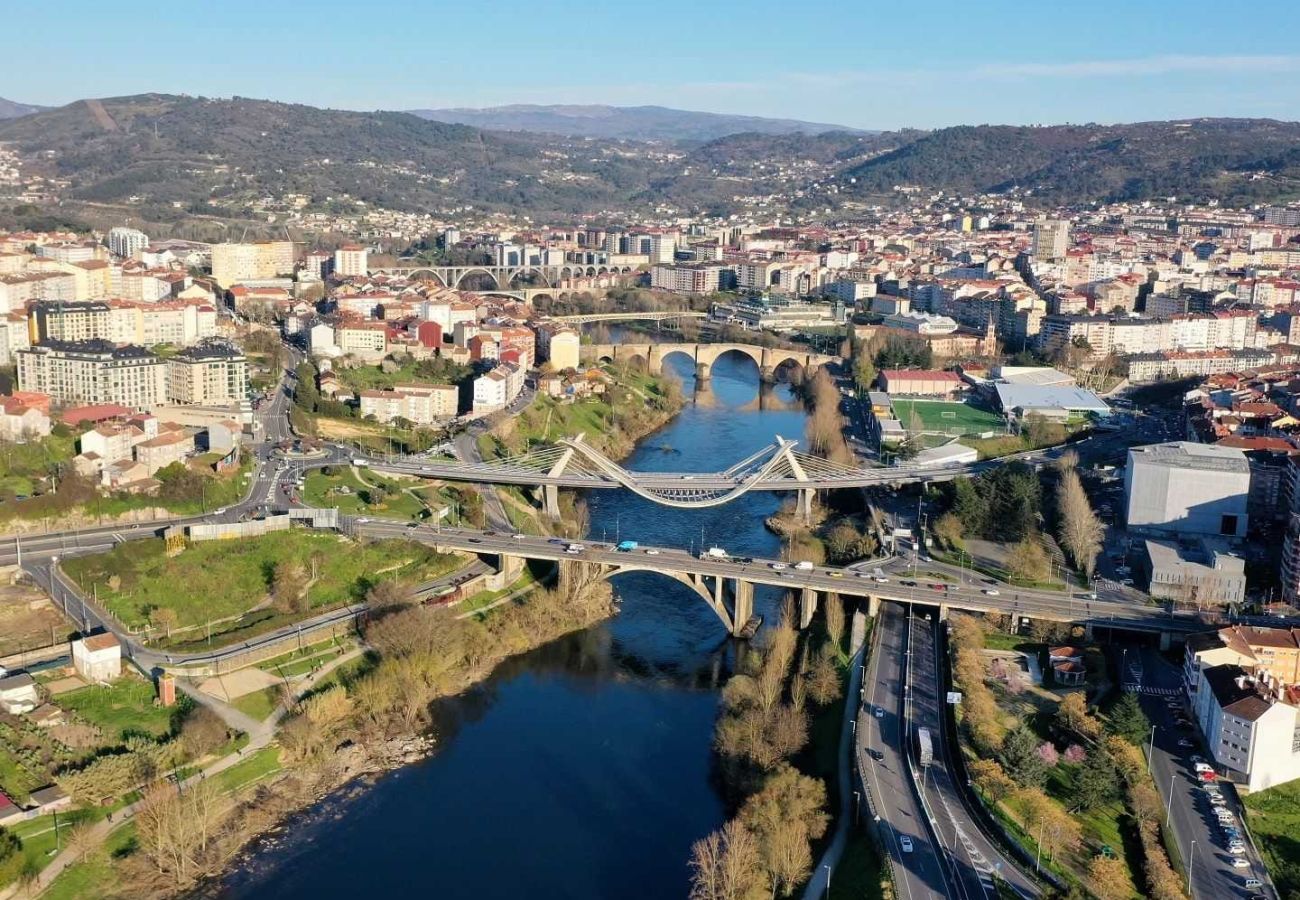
x,y
583,768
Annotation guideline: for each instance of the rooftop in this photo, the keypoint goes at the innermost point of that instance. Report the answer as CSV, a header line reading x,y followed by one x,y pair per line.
x,y
1189,455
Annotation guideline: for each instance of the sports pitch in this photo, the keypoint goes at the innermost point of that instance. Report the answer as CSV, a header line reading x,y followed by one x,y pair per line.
x,y
942,417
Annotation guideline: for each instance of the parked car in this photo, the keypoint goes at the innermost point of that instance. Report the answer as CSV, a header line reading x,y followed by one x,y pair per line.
x,y
1239,863
906,843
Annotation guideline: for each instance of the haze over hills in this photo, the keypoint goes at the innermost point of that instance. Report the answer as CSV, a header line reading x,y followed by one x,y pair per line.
x,y
11,109
172,158
637,123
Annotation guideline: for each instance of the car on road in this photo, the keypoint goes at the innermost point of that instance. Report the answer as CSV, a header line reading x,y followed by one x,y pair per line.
x,y
992,592
804,565
778,566
880,579
1237,848
1184,742
906,843
1196,758
1253,883
1239,863
362,521
555,541
835,574
875,754
908,583
935,586
651,551
412,524
878,712
1202,766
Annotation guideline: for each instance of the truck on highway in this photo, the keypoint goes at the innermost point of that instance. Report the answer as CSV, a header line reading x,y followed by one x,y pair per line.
x,y
359,462
713,553
924,748
626,546
803,565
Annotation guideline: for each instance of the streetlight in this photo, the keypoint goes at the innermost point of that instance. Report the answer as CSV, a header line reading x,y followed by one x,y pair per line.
x,y
1169,802
1191,864
828,880
1151,749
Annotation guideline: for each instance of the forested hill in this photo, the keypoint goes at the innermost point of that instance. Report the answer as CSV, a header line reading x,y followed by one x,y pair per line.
x,y
167,158
169,149
1235,160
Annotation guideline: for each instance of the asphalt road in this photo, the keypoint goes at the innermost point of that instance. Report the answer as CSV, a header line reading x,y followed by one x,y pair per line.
x,y
920,873
1188,805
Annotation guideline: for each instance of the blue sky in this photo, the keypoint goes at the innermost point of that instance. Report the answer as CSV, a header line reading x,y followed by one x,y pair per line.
x,y
865,64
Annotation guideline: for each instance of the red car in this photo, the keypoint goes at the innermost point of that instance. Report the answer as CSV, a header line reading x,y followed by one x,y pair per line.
x,y
937,587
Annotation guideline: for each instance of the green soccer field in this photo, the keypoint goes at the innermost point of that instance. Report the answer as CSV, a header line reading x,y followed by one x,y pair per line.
x,y
945,417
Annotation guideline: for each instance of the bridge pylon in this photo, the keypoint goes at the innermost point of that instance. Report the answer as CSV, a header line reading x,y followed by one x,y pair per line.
x,y
551,493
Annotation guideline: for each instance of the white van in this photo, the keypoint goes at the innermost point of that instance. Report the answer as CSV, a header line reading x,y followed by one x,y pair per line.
x,y
803,565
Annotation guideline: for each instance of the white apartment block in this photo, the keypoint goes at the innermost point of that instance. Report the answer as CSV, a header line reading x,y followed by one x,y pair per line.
x,y
127,242
233,263
497,388
1250,725
90,372
351,260
365,340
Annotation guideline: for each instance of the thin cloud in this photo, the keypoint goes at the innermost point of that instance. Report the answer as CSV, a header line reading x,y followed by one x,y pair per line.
x,y
1153,65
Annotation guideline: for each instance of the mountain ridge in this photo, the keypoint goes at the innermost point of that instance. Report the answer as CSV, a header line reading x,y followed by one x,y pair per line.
x,y
12,109
643,123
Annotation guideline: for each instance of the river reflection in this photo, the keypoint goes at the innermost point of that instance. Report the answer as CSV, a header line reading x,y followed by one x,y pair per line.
x,y
581,769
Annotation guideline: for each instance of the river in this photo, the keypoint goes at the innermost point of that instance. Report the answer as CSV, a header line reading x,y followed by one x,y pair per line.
x,y
581,769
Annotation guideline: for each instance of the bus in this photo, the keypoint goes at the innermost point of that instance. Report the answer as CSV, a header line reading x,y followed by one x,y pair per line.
x,y
924,748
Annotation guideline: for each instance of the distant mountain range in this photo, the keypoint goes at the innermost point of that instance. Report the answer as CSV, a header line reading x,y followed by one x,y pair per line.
x,y
173,159
10,109
633,123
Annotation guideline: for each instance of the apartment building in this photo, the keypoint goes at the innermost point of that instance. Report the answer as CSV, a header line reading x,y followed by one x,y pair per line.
x,y
233,263
1251,724
365,340
701,278
93,372
559,346
127,242
351,260
172,446
177,322
497,388
422,404
1051,239
212,373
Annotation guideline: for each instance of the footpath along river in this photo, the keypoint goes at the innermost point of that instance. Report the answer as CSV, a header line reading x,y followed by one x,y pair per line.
x,y
583,768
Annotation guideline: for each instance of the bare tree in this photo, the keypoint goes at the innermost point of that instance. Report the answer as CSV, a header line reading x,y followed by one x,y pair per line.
x,y
834,620
726,865
1080,531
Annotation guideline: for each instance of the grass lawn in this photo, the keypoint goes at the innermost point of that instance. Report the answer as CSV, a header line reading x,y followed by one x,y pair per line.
x,y
90,878
146,579
1274,819
126,707
486,598
300,662
952,419
38,839
253,768
259,704
344,490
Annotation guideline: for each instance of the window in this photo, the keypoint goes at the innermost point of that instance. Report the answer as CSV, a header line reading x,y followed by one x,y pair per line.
x,y
1228,525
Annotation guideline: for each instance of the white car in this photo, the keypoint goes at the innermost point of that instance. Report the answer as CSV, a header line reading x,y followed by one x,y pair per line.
x,y
880,579
1203,767
878,712
651,552
363,520
1239,863
778,566
1237,848
992,592
519,537
906,843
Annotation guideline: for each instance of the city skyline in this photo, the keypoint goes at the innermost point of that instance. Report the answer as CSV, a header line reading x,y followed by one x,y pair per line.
x,y
897,69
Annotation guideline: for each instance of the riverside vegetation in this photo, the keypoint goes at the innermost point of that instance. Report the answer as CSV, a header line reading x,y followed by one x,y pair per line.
x,y
369,719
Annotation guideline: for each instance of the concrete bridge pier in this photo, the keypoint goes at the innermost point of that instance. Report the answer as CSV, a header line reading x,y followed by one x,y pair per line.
x,y
807,606
767,374
806,496
702,370
873,606
742,605
551,501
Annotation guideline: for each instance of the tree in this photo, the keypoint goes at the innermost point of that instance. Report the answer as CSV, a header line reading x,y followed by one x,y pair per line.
x,y
726,865
164,617
1097,783
1080,530
1027,560
864,371
203,732
1108,879
824,678
289,585
1020,757
175,828
392,593
834,620
948,528
786,814
1128,720
990,778
1072,716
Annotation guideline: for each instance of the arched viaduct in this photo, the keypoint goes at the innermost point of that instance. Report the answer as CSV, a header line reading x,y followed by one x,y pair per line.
x,y
652,355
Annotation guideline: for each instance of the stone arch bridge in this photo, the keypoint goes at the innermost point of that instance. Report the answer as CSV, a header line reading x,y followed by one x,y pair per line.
x,y
652,355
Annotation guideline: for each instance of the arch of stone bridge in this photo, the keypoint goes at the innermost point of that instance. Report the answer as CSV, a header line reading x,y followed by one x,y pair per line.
x,y
479,270
430,275
518,271
661,352
709,354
